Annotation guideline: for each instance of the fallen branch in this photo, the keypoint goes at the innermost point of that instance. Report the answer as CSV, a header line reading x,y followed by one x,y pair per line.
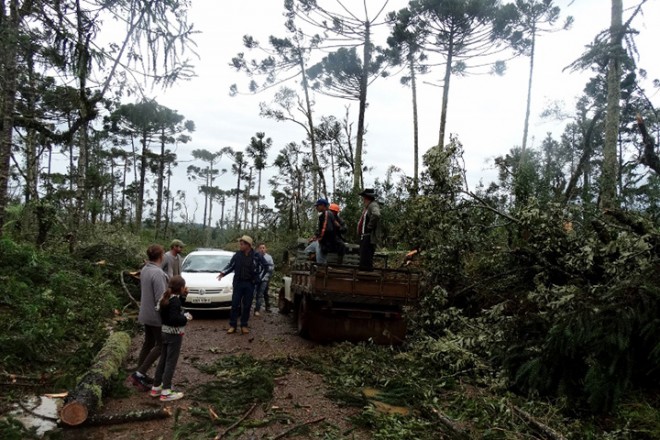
x,y
290,430
236,423
451,427
41,379
123,285
34,414
540,427
141,415
485,205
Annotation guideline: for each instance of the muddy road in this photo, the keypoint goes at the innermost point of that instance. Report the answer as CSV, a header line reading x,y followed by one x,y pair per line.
x,y
297,401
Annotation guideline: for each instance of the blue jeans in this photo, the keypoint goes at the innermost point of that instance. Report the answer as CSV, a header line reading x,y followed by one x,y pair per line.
x,y
241,298
315,247
262,295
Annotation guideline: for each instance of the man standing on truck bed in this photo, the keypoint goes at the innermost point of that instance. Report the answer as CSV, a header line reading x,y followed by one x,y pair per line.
x,y
369,229
247,265
325,240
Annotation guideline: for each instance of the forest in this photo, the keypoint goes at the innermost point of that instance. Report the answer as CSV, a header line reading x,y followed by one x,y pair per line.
x,y
540,309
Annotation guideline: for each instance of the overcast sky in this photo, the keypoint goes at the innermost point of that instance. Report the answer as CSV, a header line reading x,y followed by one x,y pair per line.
x,y
486,112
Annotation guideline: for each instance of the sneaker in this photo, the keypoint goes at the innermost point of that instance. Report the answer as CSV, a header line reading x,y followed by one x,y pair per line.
x,y
231,330
257,313
156,391
169,395
139,382
245,330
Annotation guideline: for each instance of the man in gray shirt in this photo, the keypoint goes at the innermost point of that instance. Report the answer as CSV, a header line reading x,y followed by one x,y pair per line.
x,y
172,261
153,283
262,288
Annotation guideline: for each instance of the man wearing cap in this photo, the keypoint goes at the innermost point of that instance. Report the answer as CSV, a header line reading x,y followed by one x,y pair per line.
x,y
369,229
247,266
325,238
171,260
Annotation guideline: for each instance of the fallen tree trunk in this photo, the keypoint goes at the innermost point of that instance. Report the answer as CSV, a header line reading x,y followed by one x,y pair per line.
x,y
127,417
87,396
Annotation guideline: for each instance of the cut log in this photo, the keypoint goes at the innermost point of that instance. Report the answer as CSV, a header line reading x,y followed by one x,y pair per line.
x,y
87,396
141,415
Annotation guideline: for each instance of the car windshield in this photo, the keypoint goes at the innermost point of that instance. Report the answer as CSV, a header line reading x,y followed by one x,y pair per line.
x,y
205,263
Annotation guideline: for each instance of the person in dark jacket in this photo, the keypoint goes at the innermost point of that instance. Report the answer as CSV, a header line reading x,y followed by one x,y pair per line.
x,y
174,320
247,265
325,238
369,229
340,227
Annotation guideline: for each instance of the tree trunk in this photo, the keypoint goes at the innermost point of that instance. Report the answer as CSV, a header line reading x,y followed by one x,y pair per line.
x,y
143,177
123,191
238,192
168,199
222,212
87,396
413,86
258,198
138,415
608,173
247,199
9,32
364,81
445,94
312,135
529,91
159,184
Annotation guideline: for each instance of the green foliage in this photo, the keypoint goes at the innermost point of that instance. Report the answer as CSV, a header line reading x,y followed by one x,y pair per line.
x,y
53,309
240,382
12,429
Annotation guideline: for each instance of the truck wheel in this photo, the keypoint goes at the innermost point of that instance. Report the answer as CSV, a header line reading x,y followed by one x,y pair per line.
x,y
282,303
303,317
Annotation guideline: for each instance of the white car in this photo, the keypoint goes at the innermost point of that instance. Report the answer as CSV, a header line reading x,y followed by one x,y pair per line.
x,y
200,269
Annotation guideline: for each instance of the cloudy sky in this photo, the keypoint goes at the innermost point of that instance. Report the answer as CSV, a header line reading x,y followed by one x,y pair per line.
x,y
485,112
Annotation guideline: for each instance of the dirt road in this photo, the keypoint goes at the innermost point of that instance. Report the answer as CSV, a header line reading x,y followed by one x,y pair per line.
x,y
298,395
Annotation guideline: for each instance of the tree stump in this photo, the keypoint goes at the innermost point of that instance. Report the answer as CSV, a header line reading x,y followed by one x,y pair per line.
x,y
87,396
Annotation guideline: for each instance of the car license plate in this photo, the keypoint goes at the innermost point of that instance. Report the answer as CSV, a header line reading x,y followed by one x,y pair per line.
x,y
201,300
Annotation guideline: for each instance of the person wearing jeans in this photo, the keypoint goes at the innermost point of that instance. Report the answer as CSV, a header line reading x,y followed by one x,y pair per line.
x,y
262,288
325,238
369,229
174,320
247,265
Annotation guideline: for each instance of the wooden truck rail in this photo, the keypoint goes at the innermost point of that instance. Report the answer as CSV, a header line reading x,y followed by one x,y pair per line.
x,y
327,282
342,302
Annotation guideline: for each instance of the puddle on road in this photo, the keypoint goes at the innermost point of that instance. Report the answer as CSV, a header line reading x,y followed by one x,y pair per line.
x,y
38,412
384,408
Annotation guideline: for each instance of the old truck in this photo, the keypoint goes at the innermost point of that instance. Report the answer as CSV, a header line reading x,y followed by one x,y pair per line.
x,y
337,302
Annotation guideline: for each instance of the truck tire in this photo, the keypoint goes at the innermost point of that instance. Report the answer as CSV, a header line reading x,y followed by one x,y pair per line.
x,y
303,317
282,304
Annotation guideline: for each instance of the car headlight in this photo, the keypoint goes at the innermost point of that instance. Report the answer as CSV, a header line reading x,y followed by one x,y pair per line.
x,y
227,289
